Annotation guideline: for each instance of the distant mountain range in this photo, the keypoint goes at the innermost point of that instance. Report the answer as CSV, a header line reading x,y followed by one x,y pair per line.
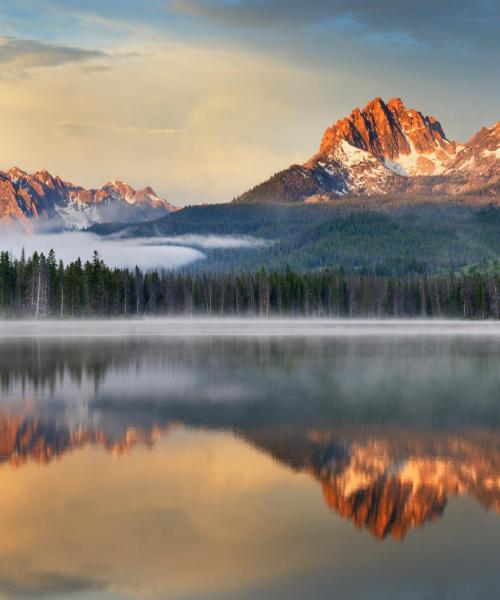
x,y
379,159
43,200
387,149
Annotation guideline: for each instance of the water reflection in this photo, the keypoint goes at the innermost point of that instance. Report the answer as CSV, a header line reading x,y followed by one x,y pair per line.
x,y
217,430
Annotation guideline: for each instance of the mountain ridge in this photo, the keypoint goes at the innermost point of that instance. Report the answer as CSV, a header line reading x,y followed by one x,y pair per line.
x,y
33,200
386,149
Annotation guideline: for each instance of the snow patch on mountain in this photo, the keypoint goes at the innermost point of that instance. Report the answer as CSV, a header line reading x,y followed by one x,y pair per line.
x,y
494,153
77,216
350,155
41,200
395,167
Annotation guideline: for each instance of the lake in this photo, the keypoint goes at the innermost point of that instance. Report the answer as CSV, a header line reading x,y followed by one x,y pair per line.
x,y
209,459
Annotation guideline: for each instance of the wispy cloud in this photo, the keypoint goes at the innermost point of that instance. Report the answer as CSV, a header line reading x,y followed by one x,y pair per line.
x,y
19,55
204,98
75,128
94,68
211,242
33,584
426,20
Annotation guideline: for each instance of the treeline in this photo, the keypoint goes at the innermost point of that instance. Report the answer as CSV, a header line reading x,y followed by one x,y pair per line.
x,y
41,287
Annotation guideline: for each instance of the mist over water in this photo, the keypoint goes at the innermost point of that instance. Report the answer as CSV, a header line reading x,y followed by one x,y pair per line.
x,y
251,327
285,458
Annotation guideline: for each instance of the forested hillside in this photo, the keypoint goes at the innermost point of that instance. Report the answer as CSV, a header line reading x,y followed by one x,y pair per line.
x,y
41,287
361,236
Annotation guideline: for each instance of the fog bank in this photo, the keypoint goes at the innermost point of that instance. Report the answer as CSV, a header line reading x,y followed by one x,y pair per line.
x,y
147,253
211,242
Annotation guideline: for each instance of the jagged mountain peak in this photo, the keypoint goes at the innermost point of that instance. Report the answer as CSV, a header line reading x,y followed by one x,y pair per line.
x,y
149,190
17,173
476,166
47,179
117,184
393,132
489,135
145,195
387,148
29,198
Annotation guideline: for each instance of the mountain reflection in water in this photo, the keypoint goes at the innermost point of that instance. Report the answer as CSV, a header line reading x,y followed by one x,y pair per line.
x,y
388,481
387,431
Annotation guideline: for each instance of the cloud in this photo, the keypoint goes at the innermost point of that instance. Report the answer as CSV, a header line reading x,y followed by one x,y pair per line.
x,y
90,68
20,55
148,253
191,121
210,242
33,584
426,20
249,13
83,128
204,107
145,253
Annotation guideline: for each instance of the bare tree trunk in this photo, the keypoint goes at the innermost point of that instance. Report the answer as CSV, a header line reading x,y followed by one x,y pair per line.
x,y
37,309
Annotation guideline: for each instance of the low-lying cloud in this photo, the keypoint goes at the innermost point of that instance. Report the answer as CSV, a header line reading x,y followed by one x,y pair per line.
x,y
147,253
70,246
211,242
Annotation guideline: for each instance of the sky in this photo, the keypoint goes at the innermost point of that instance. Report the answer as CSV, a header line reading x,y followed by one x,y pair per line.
x,y
202,99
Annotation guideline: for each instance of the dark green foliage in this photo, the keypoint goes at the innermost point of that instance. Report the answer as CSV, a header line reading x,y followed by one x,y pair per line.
x,y
360,236
40,287
291,185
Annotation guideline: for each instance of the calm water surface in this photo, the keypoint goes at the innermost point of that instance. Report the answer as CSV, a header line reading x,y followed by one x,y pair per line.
x,y
213,460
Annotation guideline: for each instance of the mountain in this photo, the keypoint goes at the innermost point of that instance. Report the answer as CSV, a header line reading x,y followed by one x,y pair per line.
x,y
43,200
476,167
387,149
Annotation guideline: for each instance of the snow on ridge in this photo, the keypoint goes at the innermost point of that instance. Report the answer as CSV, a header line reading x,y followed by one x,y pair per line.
x,y
495,153
405,165
77,216
354,156
469,162
395,167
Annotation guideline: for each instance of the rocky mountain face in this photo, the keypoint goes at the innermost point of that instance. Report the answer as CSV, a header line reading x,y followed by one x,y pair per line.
x,y
388,149
41,200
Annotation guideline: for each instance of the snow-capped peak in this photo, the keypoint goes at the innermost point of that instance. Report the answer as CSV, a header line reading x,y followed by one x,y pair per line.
x,y
74,207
